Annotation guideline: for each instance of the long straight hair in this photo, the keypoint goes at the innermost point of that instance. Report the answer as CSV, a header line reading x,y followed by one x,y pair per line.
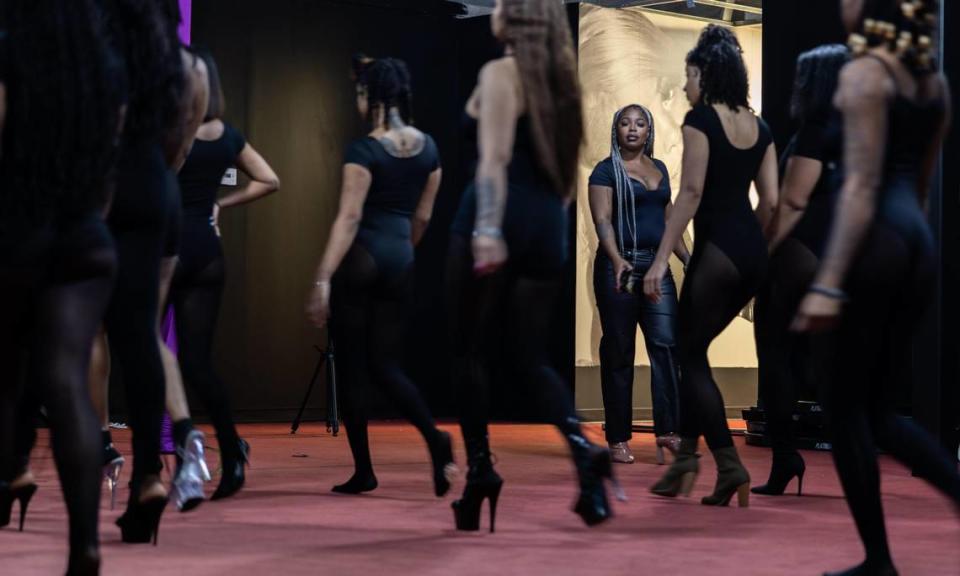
x,y
540,36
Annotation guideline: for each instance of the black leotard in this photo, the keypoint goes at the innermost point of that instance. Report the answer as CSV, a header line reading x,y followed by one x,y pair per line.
x,y
200,179
395,190
725,217
538,245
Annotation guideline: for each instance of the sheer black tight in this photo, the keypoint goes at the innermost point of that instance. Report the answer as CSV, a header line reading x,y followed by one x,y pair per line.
x,y
887,285
131,323
714,291
196,296
475,307
368,322
52,326
782,354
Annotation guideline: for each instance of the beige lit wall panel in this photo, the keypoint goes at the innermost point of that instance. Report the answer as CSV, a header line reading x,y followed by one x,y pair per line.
x,y
628,55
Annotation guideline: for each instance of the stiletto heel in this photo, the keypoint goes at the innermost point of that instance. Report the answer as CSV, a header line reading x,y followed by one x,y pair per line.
x,y
686,483
483,482
494,497
466,510
661,460
786,467
594,466
112,465
233,477
140,524
22,494
111,472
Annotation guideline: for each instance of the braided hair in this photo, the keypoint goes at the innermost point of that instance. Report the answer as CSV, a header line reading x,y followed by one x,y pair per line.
x,y
723,73
907,28
65,89
624,198
387,84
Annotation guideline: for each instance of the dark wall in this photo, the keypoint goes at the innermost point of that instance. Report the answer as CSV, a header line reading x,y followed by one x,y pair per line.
x,y
285,68
789,29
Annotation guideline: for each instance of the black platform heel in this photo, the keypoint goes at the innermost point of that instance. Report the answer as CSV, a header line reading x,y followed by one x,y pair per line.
x,y
466,510
22,494
785,468
483,483
140,524
233,477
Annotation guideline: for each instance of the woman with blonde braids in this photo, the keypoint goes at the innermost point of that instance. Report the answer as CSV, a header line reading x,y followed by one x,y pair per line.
x,y
630,203
528,112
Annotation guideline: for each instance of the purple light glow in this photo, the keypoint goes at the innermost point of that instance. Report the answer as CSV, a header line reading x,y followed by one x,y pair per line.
x,y
184,30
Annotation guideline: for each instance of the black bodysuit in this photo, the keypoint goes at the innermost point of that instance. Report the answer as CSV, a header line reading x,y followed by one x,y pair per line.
x,y
371,293
889,284
728,264
198,282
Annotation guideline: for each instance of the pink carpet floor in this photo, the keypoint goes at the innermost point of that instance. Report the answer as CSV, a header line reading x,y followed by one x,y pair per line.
x,y
287,522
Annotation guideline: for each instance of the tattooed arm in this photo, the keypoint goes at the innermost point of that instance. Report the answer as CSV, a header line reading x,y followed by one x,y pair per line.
x,y
863,98
601,210
500,106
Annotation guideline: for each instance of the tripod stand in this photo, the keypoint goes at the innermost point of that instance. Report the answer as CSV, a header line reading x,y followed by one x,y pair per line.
x,y
333,416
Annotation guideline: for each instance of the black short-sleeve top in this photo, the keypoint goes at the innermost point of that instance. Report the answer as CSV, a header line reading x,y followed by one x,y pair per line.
x,y
649,205
397,182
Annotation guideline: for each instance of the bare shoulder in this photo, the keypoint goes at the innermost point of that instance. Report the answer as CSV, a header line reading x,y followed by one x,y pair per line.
x,y
500,70
864,79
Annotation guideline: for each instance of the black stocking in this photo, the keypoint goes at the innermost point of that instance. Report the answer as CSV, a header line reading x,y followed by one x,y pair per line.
x,y
712,296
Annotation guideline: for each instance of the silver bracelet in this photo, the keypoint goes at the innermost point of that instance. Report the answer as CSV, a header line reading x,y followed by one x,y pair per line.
x,y
488,231
834,293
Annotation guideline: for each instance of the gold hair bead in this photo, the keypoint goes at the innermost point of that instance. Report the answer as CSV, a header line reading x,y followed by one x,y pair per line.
x,y
857,44
924,42
889,32
870,26
909,10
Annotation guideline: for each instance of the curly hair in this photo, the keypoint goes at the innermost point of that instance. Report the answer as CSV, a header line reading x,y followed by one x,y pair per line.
x,y
723,73
144,34
540,36
65,90
816,80
908,28
387,84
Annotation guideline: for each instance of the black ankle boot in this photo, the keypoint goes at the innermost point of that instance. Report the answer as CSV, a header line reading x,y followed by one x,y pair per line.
x,y
786,467
594,465
483,482
868,568
233,477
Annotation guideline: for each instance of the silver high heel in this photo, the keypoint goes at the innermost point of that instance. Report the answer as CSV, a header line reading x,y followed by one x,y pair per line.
x,y
111,471
187,486
669,441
